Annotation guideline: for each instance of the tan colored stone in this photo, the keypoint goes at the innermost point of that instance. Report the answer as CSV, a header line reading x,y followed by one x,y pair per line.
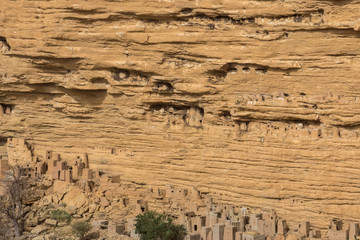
x,y
104,202
62,224
51,222
218,94
293,236
93,207
39,229
75,197
60,186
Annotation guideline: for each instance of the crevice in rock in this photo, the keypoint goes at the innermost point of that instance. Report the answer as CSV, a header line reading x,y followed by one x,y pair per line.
x,y
339,32
85,97
3,141
85,21
216,76
120,74
162,87
269,36
60,38
6,108
50,64
186,11
5,45
49,58
261,70
191,116
246,70
341,2
84,11
126,76
89,98
99,80
225,113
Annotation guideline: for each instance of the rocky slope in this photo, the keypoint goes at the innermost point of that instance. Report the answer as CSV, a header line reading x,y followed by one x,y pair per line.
x,y
254,101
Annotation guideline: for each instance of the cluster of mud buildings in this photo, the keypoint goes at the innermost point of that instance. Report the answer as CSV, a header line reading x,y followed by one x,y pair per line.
x,y
202,218
53,166
206,220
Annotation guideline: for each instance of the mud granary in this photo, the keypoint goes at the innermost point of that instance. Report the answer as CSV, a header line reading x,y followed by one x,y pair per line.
x,y
52,165
205,219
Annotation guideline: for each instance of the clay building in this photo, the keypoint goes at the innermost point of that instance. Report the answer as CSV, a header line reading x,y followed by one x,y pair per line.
x,y
58,169
217,221
53,166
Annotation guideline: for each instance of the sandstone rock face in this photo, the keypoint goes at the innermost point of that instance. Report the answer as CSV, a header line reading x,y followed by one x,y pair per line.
x,y
255,101
75,198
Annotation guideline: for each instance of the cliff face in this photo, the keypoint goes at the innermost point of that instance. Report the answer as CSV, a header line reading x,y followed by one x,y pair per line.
x,y
254,101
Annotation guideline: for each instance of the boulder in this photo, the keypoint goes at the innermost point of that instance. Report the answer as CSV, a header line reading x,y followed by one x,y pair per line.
x,y
62,224
104,202
93,208
23,237
60,186
39,229
51,222
75,197
71,210
47,200
38,238
81,211
293,236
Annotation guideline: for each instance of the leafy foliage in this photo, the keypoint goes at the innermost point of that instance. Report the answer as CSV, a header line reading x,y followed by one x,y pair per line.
x,y
81,228
60,216
155,226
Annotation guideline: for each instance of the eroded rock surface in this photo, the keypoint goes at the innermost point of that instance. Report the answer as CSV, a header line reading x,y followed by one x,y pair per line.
x,y
254,101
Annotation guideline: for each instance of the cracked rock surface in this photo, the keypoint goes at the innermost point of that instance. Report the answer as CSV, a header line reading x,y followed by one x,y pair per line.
x,y
256,102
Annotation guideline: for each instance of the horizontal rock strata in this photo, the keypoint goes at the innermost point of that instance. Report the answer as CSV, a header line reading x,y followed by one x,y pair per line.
x,y
255,101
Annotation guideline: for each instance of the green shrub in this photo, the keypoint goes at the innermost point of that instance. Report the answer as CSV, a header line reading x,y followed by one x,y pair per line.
x,y
81,228
153,226
60,216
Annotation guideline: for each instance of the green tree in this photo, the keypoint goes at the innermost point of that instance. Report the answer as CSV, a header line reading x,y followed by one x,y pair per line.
x,y
81,228
155,226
